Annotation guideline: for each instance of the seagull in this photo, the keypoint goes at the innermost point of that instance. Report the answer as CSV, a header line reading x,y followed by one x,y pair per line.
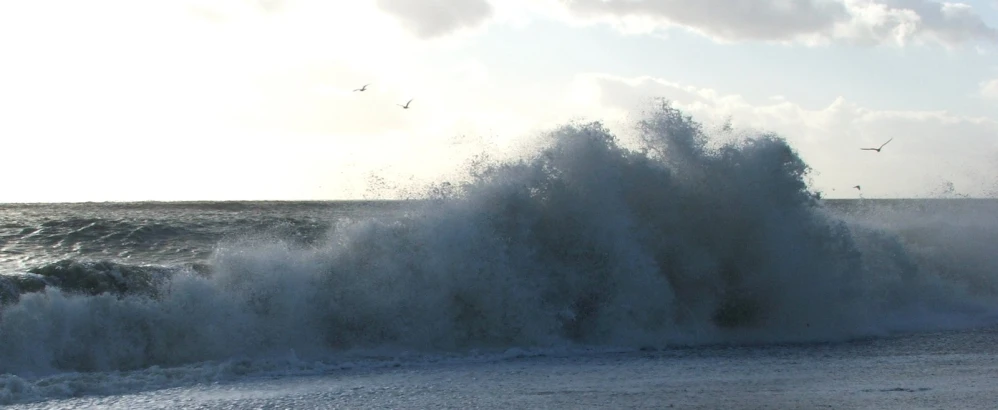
x,y
858,188
406,106
364,88
877,149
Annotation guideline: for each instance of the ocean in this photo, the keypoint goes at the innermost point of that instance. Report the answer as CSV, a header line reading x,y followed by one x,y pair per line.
x,y
584,275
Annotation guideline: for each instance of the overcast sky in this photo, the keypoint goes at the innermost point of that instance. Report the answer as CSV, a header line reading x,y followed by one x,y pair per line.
x,y
106,100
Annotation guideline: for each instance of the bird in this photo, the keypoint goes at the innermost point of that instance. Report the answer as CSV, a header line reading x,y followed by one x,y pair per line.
x,y
406,106
364,88
858,188
877,149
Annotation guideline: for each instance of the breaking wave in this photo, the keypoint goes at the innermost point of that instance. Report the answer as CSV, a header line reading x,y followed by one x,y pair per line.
x,y
582,243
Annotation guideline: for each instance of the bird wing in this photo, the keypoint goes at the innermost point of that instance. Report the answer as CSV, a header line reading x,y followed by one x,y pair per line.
x,y
888,141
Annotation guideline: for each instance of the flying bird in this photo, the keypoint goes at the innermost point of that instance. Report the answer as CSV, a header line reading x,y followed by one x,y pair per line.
x,y
877,149
406,106
858,188
364,88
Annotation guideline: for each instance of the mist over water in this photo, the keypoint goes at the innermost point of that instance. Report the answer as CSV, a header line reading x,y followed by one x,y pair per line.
x,y
584,242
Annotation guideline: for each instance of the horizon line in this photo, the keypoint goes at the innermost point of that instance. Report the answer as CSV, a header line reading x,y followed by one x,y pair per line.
x,y
208,201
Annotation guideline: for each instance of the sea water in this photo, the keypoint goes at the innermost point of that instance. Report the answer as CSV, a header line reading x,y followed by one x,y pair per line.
x,y
586,274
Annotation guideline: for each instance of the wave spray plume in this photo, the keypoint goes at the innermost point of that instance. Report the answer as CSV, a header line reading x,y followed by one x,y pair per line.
x,y
583,242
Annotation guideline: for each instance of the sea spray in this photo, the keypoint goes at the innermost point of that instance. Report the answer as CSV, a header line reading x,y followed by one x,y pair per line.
x,y
583,242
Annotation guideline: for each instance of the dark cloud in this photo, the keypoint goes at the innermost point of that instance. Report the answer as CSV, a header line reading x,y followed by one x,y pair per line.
x,y
432,18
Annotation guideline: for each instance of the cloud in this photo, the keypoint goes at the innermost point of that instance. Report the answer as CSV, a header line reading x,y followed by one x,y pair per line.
x,y
224,10
434,18
929,147
989,89
276,83
918,20
866,22
725,19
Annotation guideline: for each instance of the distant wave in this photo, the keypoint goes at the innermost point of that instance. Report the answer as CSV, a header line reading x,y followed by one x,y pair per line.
x,y
92,278
158,233
583,243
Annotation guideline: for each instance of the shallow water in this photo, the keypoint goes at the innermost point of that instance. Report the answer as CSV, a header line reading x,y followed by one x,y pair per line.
x,y
930,370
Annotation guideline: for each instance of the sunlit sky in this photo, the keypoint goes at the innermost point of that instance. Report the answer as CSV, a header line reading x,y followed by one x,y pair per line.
x,y
121,100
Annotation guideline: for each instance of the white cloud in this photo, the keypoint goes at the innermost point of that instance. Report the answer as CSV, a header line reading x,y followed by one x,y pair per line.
x,y
725,19
229,85
227,10
433,18
905,21
898,22
928,147
989,89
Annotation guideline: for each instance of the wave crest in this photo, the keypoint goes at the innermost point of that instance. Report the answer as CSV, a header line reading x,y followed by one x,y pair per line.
x,y
582,242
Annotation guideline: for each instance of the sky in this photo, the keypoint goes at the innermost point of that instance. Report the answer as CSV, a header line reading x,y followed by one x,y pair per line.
x,y
136,100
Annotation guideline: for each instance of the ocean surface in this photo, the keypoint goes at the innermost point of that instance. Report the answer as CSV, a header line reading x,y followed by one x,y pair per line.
x,y
586,274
